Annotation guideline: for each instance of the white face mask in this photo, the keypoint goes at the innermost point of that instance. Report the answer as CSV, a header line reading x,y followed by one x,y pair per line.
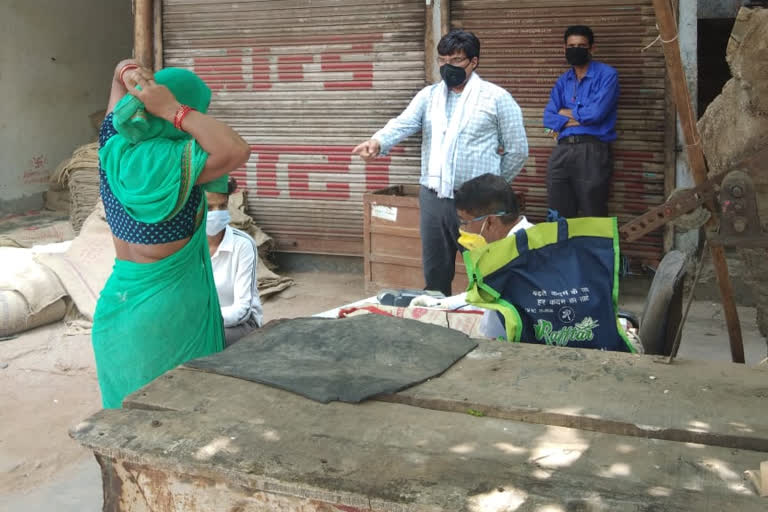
x,y
216,222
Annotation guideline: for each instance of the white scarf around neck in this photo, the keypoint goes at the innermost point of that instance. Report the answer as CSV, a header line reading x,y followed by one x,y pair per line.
x,y
443,142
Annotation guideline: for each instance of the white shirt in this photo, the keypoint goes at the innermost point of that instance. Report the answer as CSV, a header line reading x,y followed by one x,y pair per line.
x,y
235,265
523,223
497,121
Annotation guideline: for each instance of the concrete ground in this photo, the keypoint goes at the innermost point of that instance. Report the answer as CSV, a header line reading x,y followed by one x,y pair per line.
x,y
49,384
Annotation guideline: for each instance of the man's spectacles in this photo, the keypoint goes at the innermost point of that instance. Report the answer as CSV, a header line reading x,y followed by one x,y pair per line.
x,y
456,61
463,222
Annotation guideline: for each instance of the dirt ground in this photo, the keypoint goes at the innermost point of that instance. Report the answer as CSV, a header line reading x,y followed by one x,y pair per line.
x,y
48,384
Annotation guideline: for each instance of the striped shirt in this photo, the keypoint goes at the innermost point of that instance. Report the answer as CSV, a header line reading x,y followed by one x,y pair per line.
x,y
496,122
235,265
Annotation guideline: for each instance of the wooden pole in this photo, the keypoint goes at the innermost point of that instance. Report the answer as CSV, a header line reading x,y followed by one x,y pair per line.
x,y
142,32
670,153
445,16
437,24
157,34
668,32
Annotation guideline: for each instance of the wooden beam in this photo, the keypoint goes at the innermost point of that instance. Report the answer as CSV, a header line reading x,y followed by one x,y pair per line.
x,y
445,16
437,14
692,141
680,94
670,153
764,479
759,479
157,34
142,32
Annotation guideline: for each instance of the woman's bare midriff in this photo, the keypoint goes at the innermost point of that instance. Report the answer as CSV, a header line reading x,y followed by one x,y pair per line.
x,y
139,253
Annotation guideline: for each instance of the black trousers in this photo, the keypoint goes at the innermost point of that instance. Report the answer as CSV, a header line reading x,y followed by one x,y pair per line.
x,y
233,334
579,177
439,226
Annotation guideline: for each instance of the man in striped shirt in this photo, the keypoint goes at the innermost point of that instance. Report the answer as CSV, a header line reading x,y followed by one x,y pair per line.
x,y
469,127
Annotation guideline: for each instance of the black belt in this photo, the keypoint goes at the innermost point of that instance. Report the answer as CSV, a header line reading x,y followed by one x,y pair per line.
x,y
578,139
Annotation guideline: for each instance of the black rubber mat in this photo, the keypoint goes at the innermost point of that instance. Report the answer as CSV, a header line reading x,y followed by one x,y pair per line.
x,y
348,359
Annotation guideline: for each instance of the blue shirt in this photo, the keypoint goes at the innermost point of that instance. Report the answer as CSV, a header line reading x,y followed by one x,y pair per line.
x,y
593,102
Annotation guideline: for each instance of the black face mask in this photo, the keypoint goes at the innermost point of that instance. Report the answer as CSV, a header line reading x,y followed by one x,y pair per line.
x,y
453,76
577,56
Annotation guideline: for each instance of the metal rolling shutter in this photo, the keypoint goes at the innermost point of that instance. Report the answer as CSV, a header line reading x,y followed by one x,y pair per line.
x,y
522,50
304,81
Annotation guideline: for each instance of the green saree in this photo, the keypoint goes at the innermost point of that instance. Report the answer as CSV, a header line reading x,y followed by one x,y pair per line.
x,y
152,317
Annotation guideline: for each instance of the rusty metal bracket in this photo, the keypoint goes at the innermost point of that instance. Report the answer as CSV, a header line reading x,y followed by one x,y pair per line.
x,y
690,199
683,202
739,226
739,217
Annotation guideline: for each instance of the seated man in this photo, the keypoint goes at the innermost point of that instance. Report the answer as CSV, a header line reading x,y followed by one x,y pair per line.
x,y
555,283
488,210
234,258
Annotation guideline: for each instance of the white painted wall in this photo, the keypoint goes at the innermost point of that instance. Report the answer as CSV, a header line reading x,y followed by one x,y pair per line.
x,y
56,63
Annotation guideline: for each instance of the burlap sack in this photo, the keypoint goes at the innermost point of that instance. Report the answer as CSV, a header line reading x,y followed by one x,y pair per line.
x,y
30,294
85,267
34,229
15,317
80,176
269,282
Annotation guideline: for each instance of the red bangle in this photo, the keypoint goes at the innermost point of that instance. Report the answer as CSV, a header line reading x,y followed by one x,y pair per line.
x,y
180,115
124,69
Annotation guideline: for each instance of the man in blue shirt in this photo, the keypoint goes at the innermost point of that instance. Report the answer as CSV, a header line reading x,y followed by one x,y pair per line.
x,y
581,114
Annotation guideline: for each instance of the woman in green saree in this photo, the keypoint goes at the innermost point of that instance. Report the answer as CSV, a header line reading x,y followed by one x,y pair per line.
x,y
158,152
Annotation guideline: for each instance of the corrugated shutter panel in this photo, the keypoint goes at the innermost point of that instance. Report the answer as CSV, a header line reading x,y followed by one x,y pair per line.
x,y
522,50
304,81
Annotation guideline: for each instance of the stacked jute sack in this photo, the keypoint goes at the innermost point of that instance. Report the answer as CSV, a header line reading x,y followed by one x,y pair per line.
x,y
30,293
80,176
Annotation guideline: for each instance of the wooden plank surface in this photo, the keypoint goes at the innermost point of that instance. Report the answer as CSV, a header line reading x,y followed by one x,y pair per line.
x,y
382,456
720,404
764,479
759,479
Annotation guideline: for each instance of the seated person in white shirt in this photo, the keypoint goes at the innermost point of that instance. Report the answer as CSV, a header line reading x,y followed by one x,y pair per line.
x,y
488,211
235,259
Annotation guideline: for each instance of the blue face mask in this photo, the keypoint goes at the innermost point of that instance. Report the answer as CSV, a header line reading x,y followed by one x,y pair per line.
x,y
216,222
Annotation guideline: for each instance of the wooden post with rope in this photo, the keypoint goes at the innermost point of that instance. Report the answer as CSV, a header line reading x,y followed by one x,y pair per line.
x,y
667,26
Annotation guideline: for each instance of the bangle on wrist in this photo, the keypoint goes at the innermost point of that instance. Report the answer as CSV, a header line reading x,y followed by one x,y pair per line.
x,y
124,69
181,113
